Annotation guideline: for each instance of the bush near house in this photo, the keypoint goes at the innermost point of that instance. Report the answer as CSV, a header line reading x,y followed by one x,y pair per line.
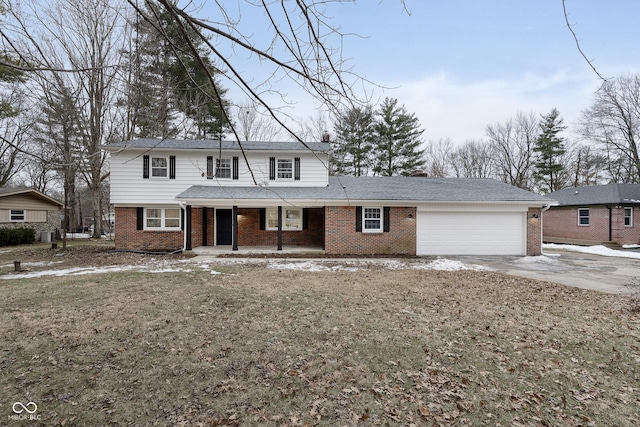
x,y
17,236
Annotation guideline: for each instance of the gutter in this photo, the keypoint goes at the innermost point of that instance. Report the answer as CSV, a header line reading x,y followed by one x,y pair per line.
x,y
542,211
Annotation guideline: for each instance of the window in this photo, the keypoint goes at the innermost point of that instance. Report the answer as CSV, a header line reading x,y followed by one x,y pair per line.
x,y
162,218
223,168
285,169
372,219
291,219
583,216
17,215
628,217
159,167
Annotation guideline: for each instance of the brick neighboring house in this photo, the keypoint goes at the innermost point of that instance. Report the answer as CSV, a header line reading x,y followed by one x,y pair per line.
x,y
594,215
172,194
26,207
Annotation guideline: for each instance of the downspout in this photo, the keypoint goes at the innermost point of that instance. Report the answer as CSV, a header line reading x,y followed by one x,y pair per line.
x,y
183,208
610,224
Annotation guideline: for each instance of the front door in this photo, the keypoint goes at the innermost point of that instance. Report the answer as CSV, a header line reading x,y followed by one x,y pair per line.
x,y
224,224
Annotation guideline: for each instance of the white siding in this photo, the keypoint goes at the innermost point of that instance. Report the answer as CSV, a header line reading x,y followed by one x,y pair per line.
x,y
128,186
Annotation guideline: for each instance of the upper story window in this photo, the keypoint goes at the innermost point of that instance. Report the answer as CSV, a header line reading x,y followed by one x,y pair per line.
x,y
17,215
583,216
223,168
285,169
628,217
159,167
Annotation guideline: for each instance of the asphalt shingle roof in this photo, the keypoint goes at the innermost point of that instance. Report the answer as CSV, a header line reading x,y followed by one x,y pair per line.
x,y
187,144
378,188
611,194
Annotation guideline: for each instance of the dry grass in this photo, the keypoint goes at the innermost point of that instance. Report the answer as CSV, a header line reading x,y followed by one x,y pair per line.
x,y
258,346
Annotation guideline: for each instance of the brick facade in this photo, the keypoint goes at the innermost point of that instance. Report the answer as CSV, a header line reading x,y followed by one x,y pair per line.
x,y
341,236
561,224
534,232
127,237
249,233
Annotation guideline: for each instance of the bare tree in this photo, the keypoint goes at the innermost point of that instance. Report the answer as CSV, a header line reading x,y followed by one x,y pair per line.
x,y
437,158
255,125
613,121
512,146
472,160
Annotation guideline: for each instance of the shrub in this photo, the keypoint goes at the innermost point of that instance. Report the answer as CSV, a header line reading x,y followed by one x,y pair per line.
x,y
16,236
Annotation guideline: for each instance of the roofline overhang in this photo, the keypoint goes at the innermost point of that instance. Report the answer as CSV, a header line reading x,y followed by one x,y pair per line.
x,y
35,193
253,203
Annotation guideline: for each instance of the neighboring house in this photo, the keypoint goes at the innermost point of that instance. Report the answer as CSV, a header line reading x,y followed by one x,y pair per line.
x,y
172,194
26,207
594,215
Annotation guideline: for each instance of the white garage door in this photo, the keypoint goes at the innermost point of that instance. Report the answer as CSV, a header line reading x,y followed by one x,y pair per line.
x,y
471,233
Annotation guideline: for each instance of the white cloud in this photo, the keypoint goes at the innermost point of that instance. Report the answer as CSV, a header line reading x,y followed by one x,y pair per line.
x,y
448,107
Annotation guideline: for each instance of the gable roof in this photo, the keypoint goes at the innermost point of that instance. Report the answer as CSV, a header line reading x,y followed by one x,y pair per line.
x,y
191,144
400,188
14,191
611,194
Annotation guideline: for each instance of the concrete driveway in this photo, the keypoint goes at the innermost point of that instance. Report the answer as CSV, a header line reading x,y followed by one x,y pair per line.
x,y
602,273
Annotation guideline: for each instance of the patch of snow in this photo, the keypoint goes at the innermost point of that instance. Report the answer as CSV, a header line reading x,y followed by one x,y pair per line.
x,y
631,246
595,250
444,264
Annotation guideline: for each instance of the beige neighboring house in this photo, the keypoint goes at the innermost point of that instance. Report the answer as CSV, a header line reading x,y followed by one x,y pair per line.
x,y
26,207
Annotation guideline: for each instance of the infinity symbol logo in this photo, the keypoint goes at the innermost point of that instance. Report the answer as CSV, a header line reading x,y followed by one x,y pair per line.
x,y
30,407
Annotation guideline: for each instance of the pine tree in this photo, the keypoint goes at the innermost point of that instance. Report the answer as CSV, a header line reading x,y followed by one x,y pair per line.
x,y
398,135
549,147
354,143
168,80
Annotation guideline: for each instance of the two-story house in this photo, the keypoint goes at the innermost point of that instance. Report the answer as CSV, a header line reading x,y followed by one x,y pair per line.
x,y
181,194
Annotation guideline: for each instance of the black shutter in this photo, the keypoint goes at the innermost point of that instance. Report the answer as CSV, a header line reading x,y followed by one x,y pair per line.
x,y
358,218
235,174
272,168
181,220
172,167
263,219
386,217
305,219
209,167
145,166
139,218
296,168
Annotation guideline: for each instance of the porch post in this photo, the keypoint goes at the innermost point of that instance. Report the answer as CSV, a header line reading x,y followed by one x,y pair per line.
x,y
204,226
234,228
279,228
188,229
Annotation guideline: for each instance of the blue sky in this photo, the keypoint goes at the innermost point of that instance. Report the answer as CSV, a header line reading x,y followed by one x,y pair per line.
x,y
460,65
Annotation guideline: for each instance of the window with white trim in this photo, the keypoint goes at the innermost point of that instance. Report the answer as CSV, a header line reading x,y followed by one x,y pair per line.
x,y
628,217
291,219
17,215
223,168
372,220
159,167
284,168
162,218
583,217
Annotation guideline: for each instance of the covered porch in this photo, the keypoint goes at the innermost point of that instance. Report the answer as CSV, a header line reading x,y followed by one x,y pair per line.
x,y
226,250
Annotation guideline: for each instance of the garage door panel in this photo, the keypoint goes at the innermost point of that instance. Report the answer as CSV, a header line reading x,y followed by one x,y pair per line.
x,y
471,233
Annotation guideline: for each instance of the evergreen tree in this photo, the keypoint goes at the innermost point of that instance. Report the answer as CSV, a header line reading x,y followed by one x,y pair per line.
x,y
168,79
549,147
354,143
398,133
